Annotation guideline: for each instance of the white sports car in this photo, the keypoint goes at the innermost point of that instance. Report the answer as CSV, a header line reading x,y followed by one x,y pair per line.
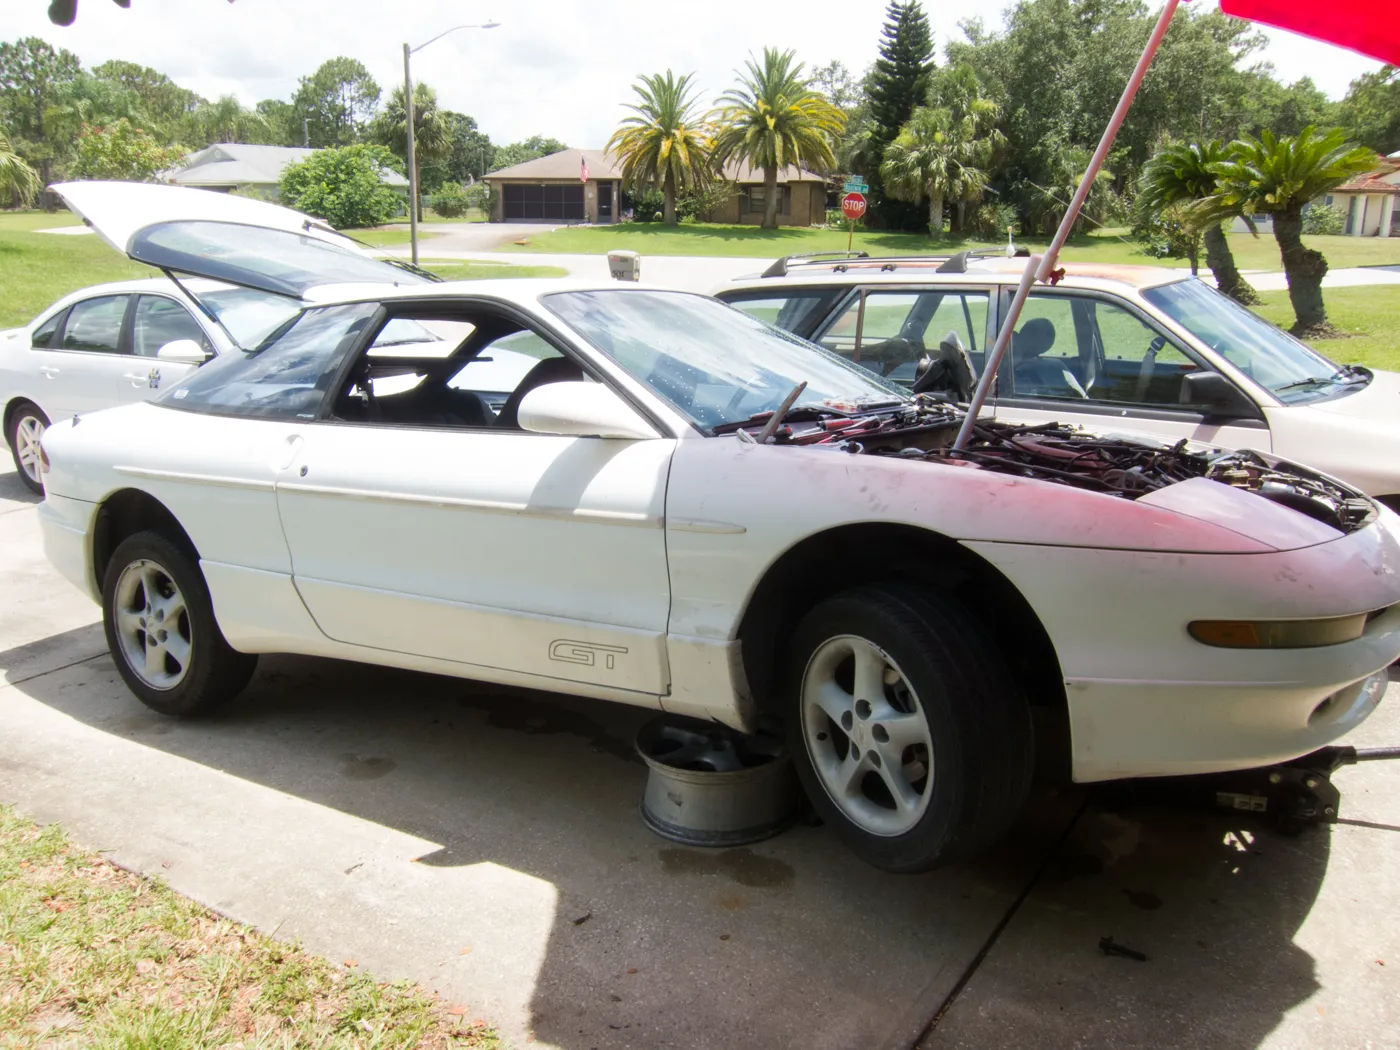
x,y
681,507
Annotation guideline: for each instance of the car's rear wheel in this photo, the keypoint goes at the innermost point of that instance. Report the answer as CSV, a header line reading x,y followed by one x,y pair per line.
x,y
911,738
161,629
27,426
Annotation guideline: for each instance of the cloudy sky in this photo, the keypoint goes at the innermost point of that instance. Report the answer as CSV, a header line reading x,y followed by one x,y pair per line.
x,y
553,67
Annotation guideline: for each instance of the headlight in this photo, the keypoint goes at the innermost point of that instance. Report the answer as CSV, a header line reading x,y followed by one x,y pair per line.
x,y
1279,634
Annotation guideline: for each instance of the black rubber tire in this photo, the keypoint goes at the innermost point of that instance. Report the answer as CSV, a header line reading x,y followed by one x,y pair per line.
x,y
217,672
980,724
24,408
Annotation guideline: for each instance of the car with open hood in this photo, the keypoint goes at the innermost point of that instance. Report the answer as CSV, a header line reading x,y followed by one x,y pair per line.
x,y
681,507
113,344
1145,348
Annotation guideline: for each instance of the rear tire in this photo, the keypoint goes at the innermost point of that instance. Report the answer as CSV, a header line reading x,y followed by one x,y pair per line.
x,y
161,629
910,736
27,426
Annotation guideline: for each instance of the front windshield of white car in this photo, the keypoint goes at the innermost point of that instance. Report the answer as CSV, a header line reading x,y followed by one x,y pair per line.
x,y
715,364
249,315
1289,369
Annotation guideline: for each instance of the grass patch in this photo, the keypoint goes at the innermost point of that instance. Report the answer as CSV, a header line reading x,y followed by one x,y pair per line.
x,y
1369,315
467,270
1103,246
386,236
94,956
37,268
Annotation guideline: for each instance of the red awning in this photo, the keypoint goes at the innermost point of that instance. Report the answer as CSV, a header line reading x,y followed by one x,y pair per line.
x,y
1371,27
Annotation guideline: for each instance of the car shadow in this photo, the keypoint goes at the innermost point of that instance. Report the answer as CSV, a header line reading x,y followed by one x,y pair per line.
x,y
791,942
12,489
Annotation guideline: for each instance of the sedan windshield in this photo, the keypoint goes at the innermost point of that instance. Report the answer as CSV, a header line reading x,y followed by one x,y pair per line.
x,y
715,364
1289,369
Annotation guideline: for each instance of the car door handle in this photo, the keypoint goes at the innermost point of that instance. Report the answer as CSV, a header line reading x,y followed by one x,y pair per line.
x,y
48,371
137,380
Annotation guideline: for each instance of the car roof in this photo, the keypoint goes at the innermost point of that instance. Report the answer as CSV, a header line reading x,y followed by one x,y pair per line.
x,y
906,269
521,291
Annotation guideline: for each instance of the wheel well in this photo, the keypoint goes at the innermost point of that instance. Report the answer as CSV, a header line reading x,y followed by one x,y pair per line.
x,y
1392,501
10,409
853,555
126,513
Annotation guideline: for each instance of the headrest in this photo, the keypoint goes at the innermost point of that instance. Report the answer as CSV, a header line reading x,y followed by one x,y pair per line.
x,y
1035,337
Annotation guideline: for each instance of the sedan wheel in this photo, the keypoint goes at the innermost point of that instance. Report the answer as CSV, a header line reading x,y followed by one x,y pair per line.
x,y
153,625
867,736
161,629
27,426
910,735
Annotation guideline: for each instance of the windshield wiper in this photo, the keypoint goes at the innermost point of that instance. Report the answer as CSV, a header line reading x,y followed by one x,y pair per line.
x,y
413,268
1352,374
1309,381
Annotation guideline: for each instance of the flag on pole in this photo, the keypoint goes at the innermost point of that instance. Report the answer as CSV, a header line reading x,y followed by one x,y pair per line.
x,y
1368,26
583,169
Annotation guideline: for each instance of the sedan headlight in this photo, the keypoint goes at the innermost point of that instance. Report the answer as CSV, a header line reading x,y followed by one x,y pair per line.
x,y
1280,634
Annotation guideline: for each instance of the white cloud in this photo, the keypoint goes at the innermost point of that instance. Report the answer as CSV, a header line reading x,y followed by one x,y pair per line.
x,y
553,68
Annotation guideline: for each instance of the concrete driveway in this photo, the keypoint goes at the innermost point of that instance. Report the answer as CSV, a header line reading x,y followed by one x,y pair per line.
x,y
485,842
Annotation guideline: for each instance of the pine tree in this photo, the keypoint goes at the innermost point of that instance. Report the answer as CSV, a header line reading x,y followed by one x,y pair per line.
x,y
897,85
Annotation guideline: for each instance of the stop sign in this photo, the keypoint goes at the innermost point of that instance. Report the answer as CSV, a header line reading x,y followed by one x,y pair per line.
x,y
853,206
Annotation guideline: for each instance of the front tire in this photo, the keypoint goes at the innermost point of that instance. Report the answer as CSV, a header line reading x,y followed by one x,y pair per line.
x,y
27,426
161,629
912,740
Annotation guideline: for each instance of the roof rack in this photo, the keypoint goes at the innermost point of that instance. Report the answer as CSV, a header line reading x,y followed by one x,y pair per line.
x,y
949,263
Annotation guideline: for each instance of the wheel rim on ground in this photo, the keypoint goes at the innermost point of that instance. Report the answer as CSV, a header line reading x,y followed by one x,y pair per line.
x,y
27,436
867,737
152,624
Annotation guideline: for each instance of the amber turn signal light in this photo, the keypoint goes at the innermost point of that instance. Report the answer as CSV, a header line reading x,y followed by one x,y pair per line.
x,y
1279,634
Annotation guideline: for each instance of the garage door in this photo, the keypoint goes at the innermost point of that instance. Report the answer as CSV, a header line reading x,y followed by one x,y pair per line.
x,y
562,203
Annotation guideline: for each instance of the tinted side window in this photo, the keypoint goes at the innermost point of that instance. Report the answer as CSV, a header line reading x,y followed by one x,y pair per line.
x,y
795,312
96,324
287,379
160,321
44,334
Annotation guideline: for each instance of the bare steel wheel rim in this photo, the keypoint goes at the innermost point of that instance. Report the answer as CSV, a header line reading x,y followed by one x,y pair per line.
x,y
867,736
27,435
153,625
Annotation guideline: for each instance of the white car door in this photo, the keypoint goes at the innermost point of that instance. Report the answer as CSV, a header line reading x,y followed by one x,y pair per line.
x,y
81,359
422,520
1091,360
156,321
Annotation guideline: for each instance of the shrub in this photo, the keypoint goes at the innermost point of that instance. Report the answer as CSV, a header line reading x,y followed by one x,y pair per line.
x,y
989,222
836,220
1324,220
123,152
647,206
344,186
481,196
450,201
704,201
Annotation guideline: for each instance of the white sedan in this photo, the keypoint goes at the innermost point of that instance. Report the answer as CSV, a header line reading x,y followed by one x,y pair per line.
x,y
113,344
680,507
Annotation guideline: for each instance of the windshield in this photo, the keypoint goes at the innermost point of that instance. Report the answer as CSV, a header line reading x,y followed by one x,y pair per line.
x,y
249,315
276,261
1289,369
715,364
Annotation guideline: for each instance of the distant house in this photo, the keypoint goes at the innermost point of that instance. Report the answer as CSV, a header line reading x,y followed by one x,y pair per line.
x,y
228,166
585,185
1367,201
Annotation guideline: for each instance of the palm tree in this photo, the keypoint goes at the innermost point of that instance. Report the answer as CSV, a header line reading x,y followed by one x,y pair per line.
x,y
1181,174
664,142
17,179
974,120
1066,170
432,130
933,156
773,119
1278,176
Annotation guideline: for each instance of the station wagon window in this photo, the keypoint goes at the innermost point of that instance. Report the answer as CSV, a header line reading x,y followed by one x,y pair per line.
x,y
794,312
897,326
95,325
288,378
160,321
44,334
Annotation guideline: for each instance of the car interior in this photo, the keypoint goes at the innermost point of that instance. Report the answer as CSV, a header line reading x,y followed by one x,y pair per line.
x,y
469,371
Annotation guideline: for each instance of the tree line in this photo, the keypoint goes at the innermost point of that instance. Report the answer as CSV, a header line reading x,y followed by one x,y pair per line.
x,y
124,120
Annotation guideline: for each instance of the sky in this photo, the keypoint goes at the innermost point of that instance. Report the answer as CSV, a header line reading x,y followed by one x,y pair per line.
x,y
553,67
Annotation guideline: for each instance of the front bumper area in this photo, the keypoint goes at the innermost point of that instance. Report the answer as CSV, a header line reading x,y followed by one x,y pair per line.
x,y
63,524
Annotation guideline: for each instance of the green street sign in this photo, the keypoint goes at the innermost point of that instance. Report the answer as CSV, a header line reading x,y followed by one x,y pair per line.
x,y
856,185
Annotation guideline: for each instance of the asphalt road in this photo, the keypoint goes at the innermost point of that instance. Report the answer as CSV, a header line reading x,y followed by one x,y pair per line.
x,y
485,842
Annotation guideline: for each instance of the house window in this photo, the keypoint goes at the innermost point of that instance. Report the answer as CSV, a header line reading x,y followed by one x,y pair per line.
x,y
1327,200
755,200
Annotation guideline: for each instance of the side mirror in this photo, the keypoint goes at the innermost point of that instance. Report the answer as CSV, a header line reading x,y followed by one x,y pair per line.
x,y
182,352
582,409
1217,395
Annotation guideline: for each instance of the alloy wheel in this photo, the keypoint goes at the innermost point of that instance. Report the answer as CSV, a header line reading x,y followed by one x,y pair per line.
x,y
153,624
867,736
27,434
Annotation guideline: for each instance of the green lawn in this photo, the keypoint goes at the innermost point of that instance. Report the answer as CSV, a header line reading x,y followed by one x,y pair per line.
x,y
1370,315
1106,246
37,268
387,236
93,956
467,270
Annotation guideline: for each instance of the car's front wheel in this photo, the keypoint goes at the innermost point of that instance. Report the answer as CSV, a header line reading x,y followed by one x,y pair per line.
x,y
161,629
27,426
910,737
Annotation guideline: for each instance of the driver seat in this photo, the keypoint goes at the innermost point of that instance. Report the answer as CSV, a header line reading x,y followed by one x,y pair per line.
x,y
1035,374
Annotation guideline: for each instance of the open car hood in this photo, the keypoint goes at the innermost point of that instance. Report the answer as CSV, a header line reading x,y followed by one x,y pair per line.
x,y
226,238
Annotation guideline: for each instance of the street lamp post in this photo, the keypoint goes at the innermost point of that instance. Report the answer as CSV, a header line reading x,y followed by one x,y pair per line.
x,y
408,121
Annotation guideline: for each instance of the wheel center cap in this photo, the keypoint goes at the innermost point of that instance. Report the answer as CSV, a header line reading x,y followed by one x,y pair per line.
x,y
860,736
